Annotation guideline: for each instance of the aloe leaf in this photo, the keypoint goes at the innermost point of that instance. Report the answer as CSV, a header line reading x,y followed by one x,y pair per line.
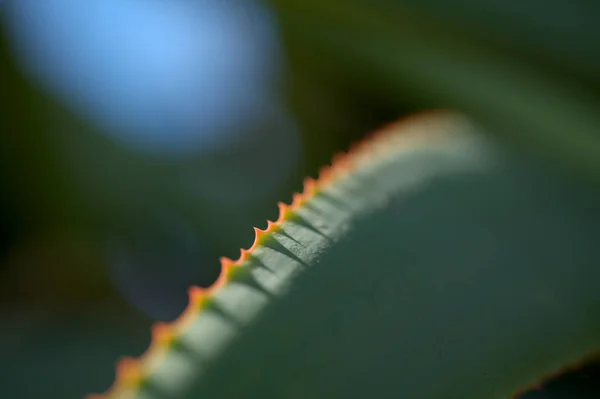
x,y
429,262
410,55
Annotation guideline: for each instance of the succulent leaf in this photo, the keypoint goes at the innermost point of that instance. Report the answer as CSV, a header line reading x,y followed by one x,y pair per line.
x,y
428,262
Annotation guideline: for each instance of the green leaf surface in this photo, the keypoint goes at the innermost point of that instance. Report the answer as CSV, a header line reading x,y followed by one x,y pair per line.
x,y
439,265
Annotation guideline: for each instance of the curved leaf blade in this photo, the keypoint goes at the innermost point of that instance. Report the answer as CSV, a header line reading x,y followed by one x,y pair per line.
x,y
430,262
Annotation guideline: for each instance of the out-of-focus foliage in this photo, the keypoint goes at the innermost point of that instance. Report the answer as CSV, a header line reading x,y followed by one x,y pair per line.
x,y
404,54
84,212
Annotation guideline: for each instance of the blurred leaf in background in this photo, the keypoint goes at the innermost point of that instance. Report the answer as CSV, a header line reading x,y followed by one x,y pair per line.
x,y
411,55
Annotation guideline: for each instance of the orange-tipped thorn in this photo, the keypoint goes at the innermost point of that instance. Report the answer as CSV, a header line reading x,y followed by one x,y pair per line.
x,y
197,296
244,255
325,175
163,335
271,226
129,372
284,211
227,265
296,201
310,185
259,235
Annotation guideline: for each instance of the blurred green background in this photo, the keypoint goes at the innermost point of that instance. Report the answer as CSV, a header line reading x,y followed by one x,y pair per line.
x,y
143,139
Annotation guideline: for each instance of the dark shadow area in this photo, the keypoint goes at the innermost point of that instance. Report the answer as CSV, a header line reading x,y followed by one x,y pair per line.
x,y
581,383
